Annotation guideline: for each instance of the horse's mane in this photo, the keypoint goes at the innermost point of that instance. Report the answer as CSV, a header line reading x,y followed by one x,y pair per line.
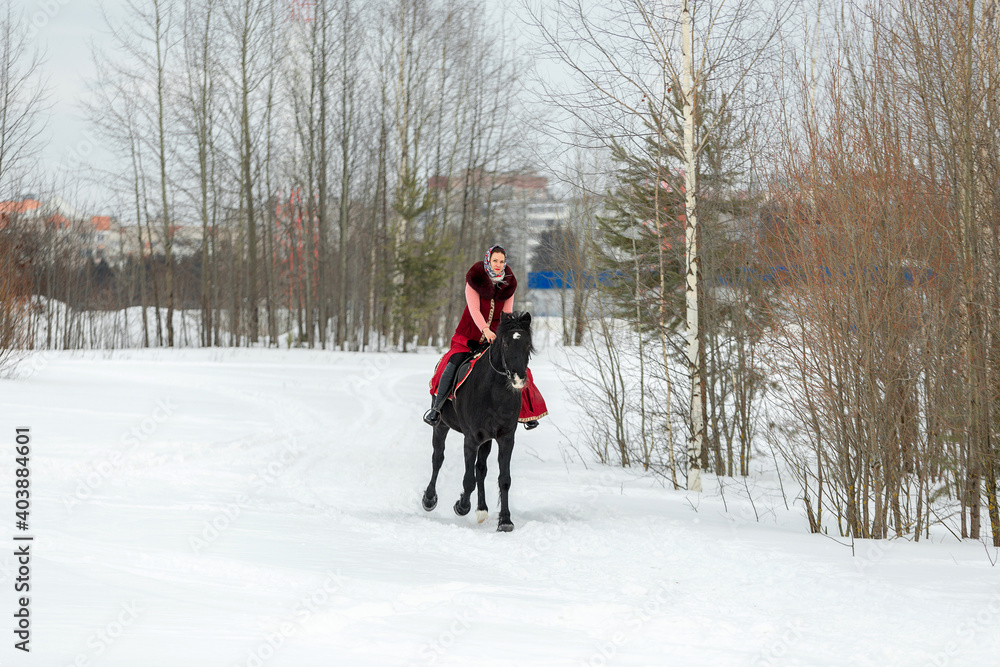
x,y
514,322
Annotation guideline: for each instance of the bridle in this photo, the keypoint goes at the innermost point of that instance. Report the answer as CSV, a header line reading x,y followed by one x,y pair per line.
x,y
503,360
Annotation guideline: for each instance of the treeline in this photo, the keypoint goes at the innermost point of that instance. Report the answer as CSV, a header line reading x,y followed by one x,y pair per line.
x,y
871,366
339,157
896,398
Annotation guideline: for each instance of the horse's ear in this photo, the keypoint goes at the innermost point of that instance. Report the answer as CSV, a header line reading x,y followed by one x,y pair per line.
x,y
525,318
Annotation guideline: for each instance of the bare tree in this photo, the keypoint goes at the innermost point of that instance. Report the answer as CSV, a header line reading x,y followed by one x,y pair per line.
x,y
200,114
307,184
886,207
162,21
23,96
249,25
960,40
634,59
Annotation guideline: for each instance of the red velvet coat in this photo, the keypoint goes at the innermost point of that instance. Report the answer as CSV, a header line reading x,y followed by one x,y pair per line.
x,y
491,298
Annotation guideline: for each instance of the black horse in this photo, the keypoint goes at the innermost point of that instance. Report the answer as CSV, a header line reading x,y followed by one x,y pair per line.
x,y
484,409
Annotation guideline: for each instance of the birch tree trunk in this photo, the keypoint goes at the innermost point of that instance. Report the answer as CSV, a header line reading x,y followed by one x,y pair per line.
x,y
136,173
696,435
162,27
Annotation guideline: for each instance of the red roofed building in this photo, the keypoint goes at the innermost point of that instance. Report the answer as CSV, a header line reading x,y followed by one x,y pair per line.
x,y
91,237
22,206
101,238
32,211
500,185
24,209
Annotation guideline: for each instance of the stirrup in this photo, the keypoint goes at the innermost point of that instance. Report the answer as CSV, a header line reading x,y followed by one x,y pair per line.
x,y
432,417
530,425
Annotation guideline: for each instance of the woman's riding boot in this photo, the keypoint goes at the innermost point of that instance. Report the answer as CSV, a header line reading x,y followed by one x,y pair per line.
x,y
530,425
433,416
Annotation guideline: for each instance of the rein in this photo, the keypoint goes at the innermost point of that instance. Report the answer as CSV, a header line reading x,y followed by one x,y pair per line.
x,y
503,360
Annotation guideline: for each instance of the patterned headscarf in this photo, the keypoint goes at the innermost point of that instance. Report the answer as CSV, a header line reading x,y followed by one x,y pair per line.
x,y
495,277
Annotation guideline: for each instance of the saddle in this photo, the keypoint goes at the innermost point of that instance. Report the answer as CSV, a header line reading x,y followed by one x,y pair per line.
x,y
464,370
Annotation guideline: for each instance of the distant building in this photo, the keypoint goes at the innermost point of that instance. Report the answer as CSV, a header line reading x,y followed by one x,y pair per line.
x,y
524,216
521,209
33,214
14,211
185,240
95,238
519,203
101,239
494,186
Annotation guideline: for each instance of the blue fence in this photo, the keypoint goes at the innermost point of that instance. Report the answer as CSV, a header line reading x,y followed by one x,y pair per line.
x,y
565,279
543,280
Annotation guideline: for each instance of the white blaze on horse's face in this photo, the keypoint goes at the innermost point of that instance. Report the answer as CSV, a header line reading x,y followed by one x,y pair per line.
x,y
517,382
517,336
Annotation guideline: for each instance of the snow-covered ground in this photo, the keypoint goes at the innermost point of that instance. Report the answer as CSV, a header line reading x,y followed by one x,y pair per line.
x,y
261,507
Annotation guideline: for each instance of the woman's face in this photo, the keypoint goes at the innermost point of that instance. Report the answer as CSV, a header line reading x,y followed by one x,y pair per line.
x,y
497,262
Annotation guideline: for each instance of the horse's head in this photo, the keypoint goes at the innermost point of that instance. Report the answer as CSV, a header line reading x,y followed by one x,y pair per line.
x,y
514,336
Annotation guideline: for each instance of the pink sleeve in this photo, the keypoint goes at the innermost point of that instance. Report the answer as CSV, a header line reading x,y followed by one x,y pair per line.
x,y
508,305
472,301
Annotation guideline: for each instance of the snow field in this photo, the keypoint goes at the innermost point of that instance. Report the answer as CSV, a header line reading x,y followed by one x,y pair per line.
x,y
261,507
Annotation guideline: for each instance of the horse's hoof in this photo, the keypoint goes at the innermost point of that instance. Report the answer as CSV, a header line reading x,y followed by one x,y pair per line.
x,y
505,527
429,503
481,515
460,509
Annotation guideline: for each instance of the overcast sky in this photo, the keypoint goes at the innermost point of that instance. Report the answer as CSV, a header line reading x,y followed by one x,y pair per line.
x,y
63,31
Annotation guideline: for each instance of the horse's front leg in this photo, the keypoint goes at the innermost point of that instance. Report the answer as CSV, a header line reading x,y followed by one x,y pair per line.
x,y
430,499
506,448
462,505
482,511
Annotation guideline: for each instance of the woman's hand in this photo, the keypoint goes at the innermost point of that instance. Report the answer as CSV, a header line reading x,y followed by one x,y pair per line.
x,y
490,336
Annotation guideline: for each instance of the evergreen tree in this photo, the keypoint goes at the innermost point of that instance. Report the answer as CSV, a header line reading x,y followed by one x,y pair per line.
x,y
640,254
641,257
643,215
558,250
421,264
424,265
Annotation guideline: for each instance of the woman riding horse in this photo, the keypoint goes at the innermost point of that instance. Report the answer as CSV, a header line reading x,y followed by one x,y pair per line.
x,y
489,291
